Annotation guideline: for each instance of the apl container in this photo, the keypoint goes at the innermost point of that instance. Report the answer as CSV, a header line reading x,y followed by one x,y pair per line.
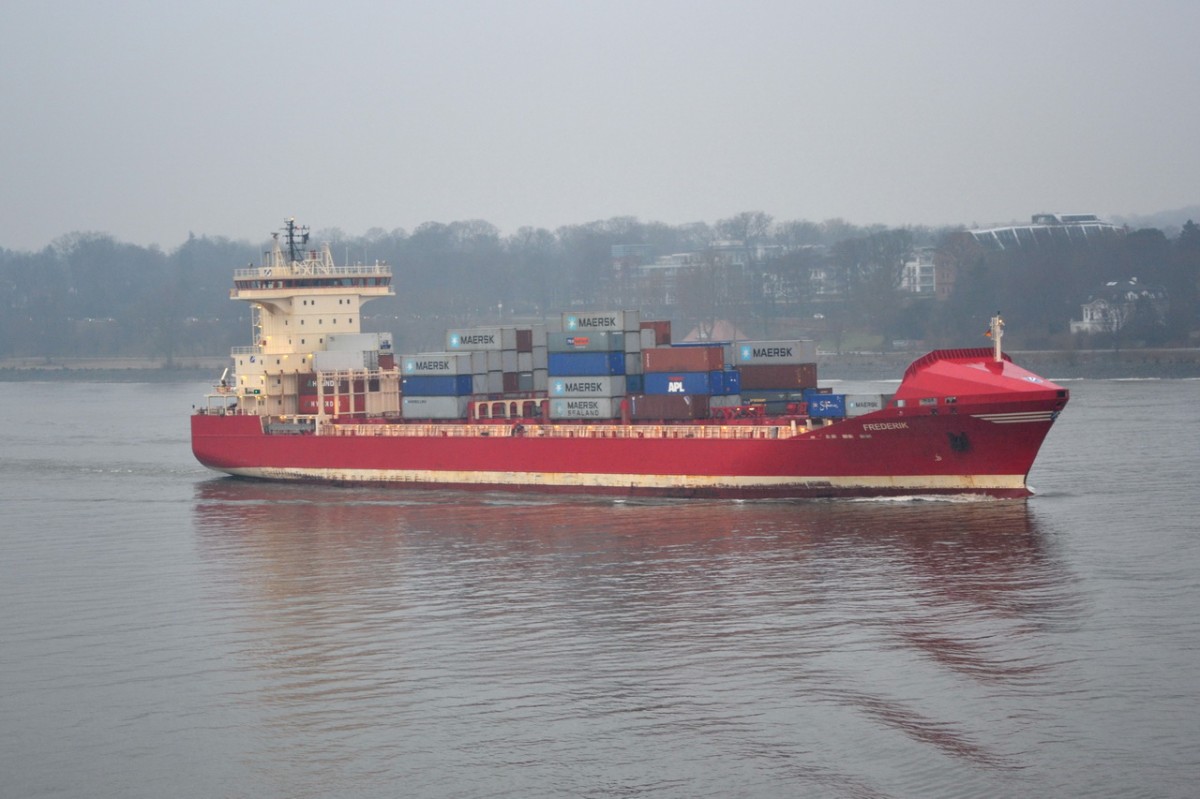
x,y
685,383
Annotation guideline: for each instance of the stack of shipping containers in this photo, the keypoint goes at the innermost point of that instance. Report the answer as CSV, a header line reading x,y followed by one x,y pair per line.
x,y
593,364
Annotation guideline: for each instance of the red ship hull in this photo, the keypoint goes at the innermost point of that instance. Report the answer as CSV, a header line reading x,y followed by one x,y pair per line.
x,y
960,423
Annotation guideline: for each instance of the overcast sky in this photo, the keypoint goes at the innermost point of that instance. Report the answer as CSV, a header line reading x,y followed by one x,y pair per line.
x,y
150,120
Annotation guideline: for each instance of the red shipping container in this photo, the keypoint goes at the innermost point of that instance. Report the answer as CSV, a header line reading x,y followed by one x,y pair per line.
x,y
387,360
683,359
510,381
524,340
779,376
648,407
662,331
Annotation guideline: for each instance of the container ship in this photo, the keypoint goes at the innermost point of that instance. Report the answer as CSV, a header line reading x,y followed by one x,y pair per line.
x,y
596,403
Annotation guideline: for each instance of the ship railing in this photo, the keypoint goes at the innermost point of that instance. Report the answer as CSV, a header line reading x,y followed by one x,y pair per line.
x,y
522,430
253,350
300,270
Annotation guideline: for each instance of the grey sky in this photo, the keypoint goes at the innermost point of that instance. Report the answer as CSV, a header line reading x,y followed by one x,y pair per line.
x,y
148,120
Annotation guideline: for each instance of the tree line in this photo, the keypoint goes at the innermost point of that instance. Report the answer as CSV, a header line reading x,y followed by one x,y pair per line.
x,y
88,294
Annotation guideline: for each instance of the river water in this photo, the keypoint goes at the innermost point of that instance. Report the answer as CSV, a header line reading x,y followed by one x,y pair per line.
x,y
169,632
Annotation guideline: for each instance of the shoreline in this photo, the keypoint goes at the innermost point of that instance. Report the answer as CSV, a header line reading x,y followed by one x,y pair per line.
x,y
1051,364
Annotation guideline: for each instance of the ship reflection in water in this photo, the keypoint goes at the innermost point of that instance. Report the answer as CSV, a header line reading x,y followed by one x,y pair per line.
x,y
640,640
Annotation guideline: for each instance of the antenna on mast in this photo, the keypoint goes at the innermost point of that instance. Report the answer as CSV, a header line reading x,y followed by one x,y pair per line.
x,y
297,238
996,332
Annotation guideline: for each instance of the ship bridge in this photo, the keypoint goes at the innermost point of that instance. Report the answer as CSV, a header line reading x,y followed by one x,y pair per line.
x,y
302,304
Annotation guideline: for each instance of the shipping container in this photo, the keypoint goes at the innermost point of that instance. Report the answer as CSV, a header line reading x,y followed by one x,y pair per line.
x,y
437,363
660,329
730,382
436,385
343,403
683,359
577,364
387,361
525,381
345,360
510,382
524,340
635,384
779,376
308,385
649,407
774,395
434,407
823,406
685,383
794,351
633,363
585,408
482,338
589,386
350,342
859,404
628,321
592,341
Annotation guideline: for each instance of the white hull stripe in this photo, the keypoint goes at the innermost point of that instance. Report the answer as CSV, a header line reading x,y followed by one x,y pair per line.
x,y
1016,418
964,483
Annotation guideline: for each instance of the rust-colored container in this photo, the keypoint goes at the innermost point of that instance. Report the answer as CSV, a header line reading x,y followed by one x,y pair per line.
x,y
648,407
524,340
662,331
683,359
779,376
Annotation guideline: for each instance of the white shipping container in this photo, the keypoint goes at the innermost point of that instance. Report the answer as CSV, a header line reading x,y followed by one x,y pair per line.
x,y
606,386
524,362
633,363
795,351
585,408
627,321
648,340
479,383
538,332
434,407
345,360
541,356
436,363
355,341
541,380
860,404
508,361
495,382
481,338
479,362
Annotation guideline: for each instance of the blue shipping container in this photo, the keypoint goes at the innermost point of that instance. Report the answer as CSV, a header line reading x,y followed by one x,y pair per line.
x,y
437,385
682,382
731,382
581,364
826,405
